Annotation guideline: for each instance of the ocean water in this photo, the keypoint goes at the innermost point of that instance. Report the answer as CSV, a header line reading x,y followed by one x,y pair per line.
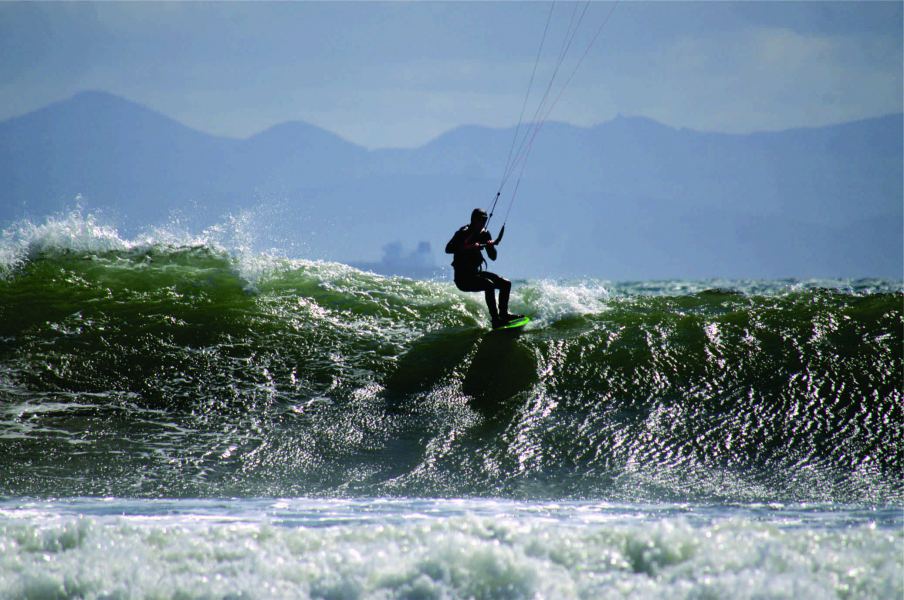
x,y
444,548
184,417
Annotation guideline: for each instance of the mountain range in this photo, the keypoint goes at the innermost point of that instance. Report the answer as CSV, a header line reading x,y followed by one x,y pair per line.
x,y
626,199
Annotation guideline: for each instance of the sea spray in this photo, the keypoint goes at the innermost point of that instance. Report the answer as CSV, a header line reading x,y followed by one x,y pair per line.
x,y
378,548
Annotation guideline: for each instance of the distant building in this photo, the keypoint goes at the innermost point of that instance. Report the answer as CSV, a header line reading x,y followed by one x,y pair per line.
x,y
416,264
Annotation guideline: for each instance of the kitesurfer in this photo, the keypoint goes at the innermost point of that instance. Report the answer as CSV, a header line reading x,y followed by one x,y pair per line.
x,y
466,246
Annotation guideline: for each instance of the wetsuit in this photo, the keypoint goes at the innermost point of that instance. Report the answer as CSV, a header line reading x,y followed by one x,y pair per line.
x,y
469,274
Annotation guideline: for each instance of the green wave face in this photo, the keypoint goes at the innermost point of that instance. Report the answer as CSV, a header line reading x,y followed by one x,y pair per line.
x,y
182,371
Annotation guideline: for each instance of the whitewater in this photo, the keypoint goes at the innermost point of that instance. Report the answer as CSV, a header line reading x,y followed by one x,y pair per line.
x,y
184,416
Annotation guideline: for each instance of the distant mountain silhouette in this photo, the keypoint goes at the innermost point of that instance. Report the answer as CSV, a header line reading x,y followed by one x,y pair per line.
x,y
626,199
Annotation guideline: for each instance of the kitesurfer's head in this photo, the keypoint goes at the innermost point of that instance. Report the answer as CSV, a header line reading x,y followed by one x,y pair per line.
x,y
478,218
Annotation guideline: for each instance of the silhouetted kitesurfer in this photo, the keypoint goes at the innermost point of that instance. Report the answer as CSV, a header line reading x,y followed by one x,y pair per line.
x,y
466,246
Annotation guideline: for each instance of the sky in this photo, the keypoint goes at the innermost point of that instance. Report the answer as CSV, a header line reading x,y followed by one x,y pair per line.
x,y
399,74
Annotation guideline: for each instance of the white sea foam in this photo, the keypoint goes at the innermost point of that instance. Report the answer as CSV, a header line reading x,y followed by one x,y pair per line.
x,y
549,300
70,231
441,549
76,231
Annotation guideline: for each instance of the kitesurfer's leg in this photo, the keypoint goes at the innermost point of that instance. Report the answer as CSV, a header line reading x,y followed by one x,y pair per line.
x,y
505,288
477,282
489,293
490,296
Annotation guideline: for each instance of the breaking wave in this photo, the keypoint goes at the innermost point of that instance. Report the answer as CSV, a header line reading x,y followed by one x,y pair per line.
x,y
178,366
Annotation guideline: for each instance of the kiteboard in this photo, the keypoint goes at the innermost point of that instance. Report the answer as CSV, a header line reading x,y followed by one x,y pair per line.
x,y
516,324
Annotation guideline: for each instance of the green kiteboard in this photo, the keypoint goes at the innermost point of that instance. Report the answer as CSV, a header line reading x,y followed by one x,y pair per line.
x,y
516,324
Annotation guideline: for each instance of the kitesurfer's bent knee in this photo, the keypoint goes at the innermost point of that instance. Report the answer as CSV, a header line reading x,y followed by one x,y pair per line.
x,y
500,283
482,281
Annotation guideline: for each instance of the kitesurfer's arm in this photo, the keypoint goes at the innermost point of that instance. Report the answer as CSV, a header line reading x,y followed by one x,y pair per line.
x,y
490,246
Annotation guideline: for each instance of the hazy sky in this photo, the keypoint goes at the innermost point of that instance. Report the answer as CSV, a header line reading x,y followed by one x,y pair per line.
x,y
398,74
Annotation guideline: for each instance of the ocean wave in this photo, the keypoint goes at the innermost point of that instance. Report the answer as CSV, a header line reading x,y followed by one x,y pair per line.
x,y
176,365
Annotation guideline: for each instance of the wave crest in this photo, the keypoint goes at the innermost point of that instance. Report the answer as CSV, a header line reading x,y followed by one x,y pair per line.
x,y
199,370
